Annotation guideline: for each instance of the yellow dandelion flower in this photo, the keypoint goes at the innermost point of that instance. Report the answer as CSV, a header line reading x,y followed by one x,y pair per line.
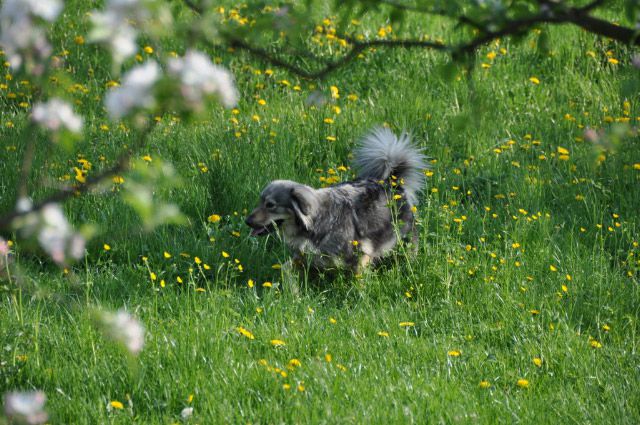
x,y
147,158
407,324
225,254
534,80
295,363
267,285
166,255
214,218
332,320
484,384
81,175
328,358
245,332
553,268
116,404
278,343
537,361
523,383
383,334
335,93
454,353
106,247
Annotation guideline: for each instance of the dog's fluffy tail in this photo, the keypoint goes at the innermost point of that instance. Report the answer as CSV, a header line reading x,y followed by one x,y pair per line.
x,y
381,154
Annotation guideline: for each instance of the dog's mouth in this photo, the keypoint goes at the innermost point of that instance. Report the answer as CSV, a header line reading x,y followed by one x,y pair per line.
x,y
265,230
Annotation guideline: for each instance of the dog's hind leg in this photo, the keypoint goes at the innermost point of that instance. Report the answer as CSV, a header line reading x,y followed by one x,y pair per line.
x,y
363,262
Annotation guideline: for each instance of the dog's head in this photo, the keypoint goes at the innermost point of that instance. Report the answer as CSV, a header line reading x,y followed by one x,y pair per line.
x,y
283,203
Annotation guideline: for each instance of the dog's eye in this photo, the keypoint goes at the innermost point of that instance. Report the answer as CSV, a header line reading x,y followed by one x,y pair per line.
x,y
269,205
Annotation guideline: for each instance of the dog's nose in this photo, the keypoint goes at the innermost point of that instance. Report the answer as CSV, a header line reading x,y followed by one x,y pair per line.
x,y
249,221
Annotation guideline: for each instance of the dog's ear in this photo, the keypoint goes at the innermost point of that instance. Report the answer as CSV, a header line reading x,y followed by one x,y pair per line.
x,y
305,205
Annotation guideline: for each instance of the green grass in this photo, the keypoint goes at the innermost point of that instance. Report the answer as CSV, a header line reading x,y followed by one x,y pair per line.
x,y
495,219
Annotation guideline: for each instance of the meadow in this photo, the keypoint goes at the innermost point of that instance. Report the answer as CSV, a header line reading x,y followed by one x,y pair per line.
x,y
521,305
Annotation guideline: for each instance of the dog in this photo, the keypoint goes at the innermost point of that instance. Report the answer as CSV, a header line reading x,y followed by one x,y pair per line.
x,y
352,223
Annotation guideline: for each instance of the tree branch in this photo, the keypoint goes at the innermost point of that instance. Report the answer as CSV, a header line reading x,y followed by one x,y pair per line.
x,y
578,16
122,164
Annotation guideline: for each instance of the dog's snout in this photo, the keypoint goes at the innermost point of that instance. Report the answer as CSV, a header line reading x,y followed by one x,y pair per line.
x,y
249,221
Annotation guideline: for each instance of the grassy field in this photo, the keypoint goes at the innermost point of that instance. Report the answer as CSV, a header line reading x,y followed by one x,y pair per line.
x,y
521,305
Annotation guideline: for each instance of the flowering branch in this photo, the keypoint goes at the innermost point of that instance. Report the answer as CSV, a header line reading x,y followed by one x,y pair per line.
x,y
121,165
550,13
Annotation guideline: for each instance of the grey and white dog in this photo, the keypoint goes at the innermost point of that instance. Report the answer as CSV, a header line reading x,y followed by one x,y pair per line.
x,y
351,223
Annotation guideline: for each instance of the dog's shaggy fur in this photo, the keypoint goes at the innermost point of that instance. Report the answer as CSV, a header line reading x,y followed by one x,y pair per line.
x,y
354,222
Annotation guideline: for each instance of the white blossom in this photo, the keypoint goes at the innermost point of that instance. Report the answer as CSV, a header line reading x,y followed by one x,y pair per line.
x,y
199,77
4,256
25,407
56,236
186,413
52,230
113,26
20,9
125,329
56,114
19,34
4,248
136,90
